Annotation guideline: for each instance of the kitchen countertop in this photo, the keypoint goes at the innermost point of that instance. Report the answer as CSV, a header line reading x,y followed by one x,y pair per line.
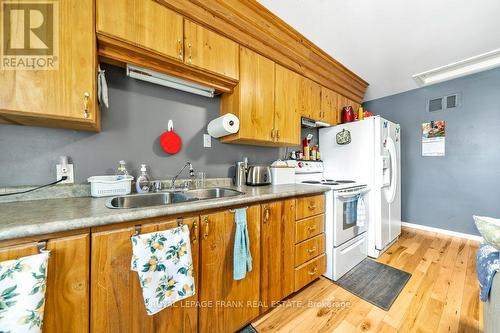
x,y
38,217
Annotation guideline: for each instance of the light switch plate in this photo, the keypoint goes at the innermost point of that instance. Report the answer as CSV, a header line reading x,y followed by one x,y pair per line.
x,y
69,173
207,141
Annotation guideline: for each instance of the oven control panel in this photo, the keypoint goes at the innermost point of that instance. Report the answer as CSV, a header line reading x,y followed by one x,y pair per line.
x,y
306,166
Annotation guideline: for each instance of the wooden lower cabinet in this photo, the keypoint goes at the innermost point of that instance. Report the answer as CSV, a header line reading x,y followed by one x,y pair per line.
x,y
116,296
67,291
225,304
277,251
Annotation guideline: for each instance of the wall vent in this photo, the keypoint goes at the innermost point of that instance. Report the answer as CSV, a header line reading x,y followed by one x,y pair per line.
x,y
443,103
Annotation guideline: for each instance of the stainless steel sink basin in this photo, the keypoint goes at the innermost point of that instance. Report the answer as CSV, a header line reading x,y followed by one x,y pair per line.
x,y
168,198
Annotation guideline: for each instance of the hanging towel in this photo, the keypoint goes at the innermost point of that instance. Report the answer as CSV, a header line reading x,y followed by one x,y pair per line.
x,y
351,210
362,216
487,264
102,88
164,264
242,258
22,293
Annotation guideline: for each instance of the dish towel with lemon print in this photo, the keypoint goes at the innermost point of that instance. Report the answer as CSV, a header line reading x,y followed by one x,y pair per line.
x,y
22,293
164,264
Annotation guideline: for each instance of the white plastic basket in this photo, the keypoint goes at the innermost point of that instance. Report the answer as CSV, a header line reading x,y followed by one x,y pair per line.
x,y
103,186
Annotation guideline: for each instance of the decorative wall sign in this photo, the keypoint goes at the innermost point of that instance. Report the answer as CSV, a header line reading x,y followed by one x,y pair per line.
x,y
343,137
433,138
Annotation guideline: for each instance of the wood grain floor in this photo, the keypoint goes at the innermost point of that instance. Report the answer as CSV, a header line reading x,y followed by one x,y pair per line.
x,y
441,296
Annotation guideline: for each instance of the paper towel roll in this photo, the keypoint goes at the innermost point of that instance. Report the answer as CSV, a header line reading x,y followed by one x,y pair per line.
x,y
224,125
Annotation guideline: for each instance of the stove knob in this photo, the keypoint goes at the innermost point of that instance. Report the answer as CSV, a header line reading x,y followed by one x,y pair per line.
x,y
300,164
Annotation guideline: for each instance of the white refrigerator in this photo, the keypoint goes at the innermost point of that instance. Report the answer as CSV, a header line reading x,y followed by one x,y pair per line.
x,y
372,157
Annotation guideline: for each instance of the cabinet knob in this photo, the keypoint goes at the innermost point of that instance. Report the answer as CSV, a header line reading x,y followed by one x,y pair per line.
x,y
311,229
312,206
86,97
313,271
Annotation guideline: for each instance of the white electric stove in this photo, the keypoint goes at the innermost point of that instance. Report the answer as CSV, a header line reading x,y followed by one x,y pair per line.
x,y
345,243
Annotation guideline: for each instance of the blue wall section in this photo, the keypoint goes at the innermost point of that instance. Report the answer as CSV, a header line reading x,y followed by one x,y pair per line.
x,y
444,192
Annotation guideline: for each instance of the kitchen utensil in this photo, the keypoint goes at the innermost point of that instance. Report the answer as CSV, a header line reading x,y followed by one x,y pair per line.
x,y
240,175
259,175
347,114
170,141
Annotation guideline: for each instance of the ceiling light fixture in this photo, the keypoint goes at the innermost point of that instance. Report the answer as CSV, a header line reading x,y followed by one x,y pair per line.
x,y
476,64
168,81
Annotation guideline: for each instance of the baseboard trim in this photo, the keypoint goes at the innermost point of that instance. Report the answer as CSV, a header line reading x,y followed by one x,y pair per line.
x,y
442,231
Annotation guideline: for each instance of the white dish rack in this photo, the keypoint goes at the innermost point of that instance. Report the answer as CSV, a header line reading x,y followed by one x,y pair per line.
x,y
103,186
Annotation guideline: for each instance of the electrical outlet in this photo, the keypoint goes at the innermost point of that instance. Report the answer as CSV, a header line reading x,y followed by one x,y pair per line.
x,y
207,141
68,173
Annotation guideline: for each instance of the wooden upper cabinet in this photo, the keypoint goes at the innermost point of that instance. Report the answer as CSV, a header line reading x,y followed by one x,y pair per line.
x,y
233,303
309,98
210,51
117,301
63,95
277,246
144,23
67,290
287,106
252,100
341,103
329,107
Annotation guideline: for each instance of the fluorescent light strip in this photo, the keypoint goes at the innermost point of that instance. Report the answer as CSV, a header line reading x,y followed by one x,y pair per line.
x,y
454,70
168,81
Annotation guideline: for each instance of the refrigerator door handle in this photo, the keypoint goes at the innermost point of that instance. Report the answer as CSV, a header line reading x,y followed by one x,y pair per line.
x,y
391,147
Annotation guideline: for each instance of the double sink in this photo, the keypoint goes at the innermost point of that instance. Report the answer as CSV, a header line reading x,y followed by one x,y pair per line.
x,y
169,197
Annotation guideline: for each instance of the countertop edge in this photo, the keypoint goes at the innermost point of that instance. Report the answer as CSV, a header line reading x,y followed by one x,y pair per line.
x,y
127,215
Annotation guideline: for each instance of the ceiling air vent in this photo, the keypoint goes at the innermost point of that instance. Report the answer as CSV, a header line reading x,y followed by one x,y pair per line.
x,y
443,103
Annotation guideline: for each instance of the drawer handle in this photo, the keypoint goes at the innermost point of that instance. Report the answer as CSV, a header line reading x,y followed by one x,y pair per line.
x,y
266,215
311,250
190,58
311,229
312,206
179,44
207,228
315,269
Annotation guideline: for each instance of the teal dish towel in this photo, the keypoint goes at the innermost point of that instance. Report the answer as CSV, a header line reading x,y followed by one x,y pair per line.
x,y
242,262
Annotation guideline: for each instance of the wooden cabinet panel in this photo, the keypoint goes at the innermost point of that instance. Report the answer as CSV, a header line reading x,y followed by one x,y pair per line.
x,y
309,249
309,227
309,206
309,271
309,98
232,303
211,51
329,107
252,101
57,97
117,302
277,246
341,102
287,106
67,291
145,23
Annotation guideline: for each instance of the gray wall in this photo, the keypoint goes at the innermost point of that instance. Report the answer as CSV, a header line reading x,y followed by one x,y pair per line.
x,y
138,114
444,192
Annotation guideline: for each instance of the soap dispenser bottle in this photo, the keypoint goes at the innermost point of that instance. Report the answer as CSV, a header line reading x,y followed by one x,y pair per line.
x,y
142,183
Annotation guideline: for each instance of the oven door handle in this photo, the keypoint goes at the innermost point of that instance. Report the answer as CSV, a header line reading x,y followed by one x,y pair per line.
x,y
351,195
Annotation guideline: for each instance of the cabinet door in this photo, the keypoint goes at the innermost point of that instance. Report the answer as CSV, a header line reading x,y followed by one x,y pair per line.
x,y
65,92
252,101
210,51
286,107
328,106
310,98
117,302
67,290
277,246
144,23
229,304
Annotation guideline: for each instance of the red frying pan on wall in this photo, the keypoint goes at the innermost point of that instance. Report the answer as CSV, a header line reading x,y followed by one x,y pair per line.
x,y
170,141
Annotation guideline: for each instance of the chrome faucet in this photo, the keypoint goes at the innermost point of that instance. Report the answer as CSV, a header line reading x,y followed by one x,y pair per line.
x,y
191,175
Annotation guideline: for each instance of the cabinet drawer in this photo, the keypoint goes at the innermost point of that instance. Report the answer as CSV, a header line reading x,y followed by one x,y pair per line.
x,y
309,271
309,206
310,227
309,249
